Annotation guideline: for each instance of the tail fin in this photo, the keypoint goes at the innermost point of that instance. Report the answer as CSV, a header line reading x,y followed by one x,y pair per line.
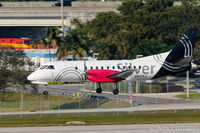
x,y
182,53
180,57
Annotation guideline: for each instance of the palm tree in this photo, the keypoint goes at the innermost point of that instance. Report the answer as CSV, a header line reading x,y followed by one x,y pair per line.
x,y
52,37
75,43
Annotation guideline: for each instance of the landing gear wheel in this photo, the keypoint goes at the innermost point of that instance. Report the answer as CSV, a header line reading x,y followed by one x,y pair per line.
x,y
115,91
99,90
45,92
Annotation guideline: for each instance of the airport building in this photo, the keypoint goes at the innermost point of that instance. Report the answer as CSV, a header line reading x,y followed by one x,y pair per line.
x,y
40,56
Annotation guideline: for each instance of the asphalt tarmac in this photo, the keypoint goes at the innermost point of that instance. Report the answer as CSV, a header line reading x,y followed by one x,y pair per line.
x,y
140,99
135,128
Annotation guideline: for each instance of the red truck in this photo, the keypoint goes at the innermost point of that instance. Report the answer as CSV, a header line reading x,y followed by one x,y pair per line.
x,y
170,87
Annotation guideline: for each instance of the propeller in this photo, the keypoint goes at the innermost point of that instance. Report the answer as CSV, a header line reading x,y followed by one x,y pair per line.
x,y
85,71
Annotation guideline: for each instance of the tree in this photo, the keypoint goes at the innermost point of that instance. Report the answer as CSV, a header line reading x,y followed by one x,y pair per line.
x,y
12,71
105,49
157,5
104,26
128,7
108,29
197,54
150,47
52,38
74,43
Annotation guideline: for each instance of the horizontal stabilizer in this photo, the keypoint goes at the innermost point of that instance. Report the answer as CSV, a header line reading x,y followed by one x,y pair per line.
x,y
184,62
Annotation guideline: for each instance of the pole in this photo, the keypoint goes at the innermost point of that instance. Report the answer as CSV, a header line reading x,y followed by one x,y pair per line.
x,y
21,102
58,105
22,99
167,85
41,104
150,87
136,84
62,17
187,82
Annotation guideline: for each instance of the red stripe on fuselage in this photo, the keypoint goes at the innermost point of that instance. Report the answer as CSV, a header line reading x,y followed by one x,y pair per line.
x,y
100,76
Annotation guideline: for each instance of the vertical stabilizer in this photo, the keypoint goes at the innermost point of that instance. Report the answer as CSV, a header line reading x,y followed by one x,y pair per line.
x,y
180,57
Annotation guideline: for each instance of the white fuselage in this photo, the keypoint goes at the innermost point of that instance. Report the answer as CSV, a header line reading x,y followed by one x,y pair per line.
x,y
75,71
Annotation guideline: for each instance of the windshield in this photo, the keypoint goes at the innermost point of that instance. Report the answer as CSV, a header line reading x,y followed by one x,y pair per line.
x,y
50,67
43,67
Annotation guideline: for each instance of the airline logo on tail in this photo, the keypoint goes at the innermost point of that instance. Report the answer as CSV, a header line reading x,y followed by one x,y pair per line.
x,y
187,46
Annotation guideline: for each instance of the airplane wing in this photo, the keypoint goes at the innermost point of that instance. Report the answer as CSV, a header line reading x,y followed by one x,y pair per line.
x,y
122,75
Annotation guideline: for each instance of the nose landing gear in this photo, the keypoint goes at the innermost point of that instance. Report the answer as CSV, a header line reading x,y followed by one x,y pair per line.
x,y
45,92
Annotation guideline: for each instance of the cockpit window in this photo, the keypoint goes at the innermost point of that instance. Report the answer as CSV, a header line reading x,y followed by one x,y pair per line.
x,y
50,67
43,67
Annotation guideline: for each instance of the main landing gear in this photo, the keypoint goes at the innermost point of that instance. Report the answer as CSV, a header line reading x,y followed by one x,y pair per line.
x,y
99,90
115,90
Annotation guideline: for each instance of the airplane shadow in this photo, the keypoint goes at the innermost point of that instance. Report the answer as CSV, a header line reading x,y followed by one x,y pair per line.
x,y
87,103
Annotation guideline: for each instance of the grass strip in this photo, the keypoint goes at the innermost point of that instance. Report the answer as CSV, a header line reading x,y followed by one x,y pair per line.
x,y
192,96
98,119
34,102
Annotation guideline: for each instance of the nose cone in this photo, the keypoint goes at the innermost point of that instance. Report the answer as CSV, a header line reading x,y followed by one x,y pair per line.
x,y
31,77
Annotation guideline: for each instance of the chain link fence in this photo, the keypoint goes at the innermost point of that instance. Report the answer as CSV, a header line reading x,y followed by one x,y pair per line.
x,y
148,98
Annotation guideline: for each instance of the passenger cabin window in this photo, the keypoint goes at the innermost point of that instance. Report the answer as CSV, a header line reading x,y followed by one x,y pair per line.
x,y
118,67
91,67
96,67
129,67
124,67
50,67
134,67
76,68
107,67
43,67
102,67
113,67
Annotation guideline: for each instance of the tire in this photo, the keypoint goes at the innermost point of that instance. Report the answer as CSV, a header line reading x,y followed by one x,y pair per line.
x,y
99,90
45,92
115,91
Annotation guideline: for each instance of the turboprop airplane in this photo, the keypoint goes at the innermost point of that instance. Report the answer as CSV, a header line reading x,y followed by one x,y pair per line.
x,y
103,71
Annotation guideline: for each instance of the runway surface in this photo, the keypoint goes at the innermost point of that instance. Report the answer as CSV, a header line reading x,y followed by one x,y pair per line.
x,y
71,89
136,128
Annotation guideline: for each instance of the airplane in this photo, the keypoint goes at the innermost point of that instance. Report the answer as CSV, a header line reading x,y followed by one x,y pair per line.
x,y
151,67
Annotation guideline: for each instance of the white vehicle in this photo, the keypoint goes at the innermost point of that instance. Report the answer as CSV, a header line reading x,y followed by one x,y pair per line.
x,y
103,71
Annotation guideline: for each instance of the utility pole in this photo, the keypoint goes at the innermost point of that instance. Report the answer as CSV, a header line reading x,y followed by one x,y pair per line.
x,y
137,82
62,17
187,84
